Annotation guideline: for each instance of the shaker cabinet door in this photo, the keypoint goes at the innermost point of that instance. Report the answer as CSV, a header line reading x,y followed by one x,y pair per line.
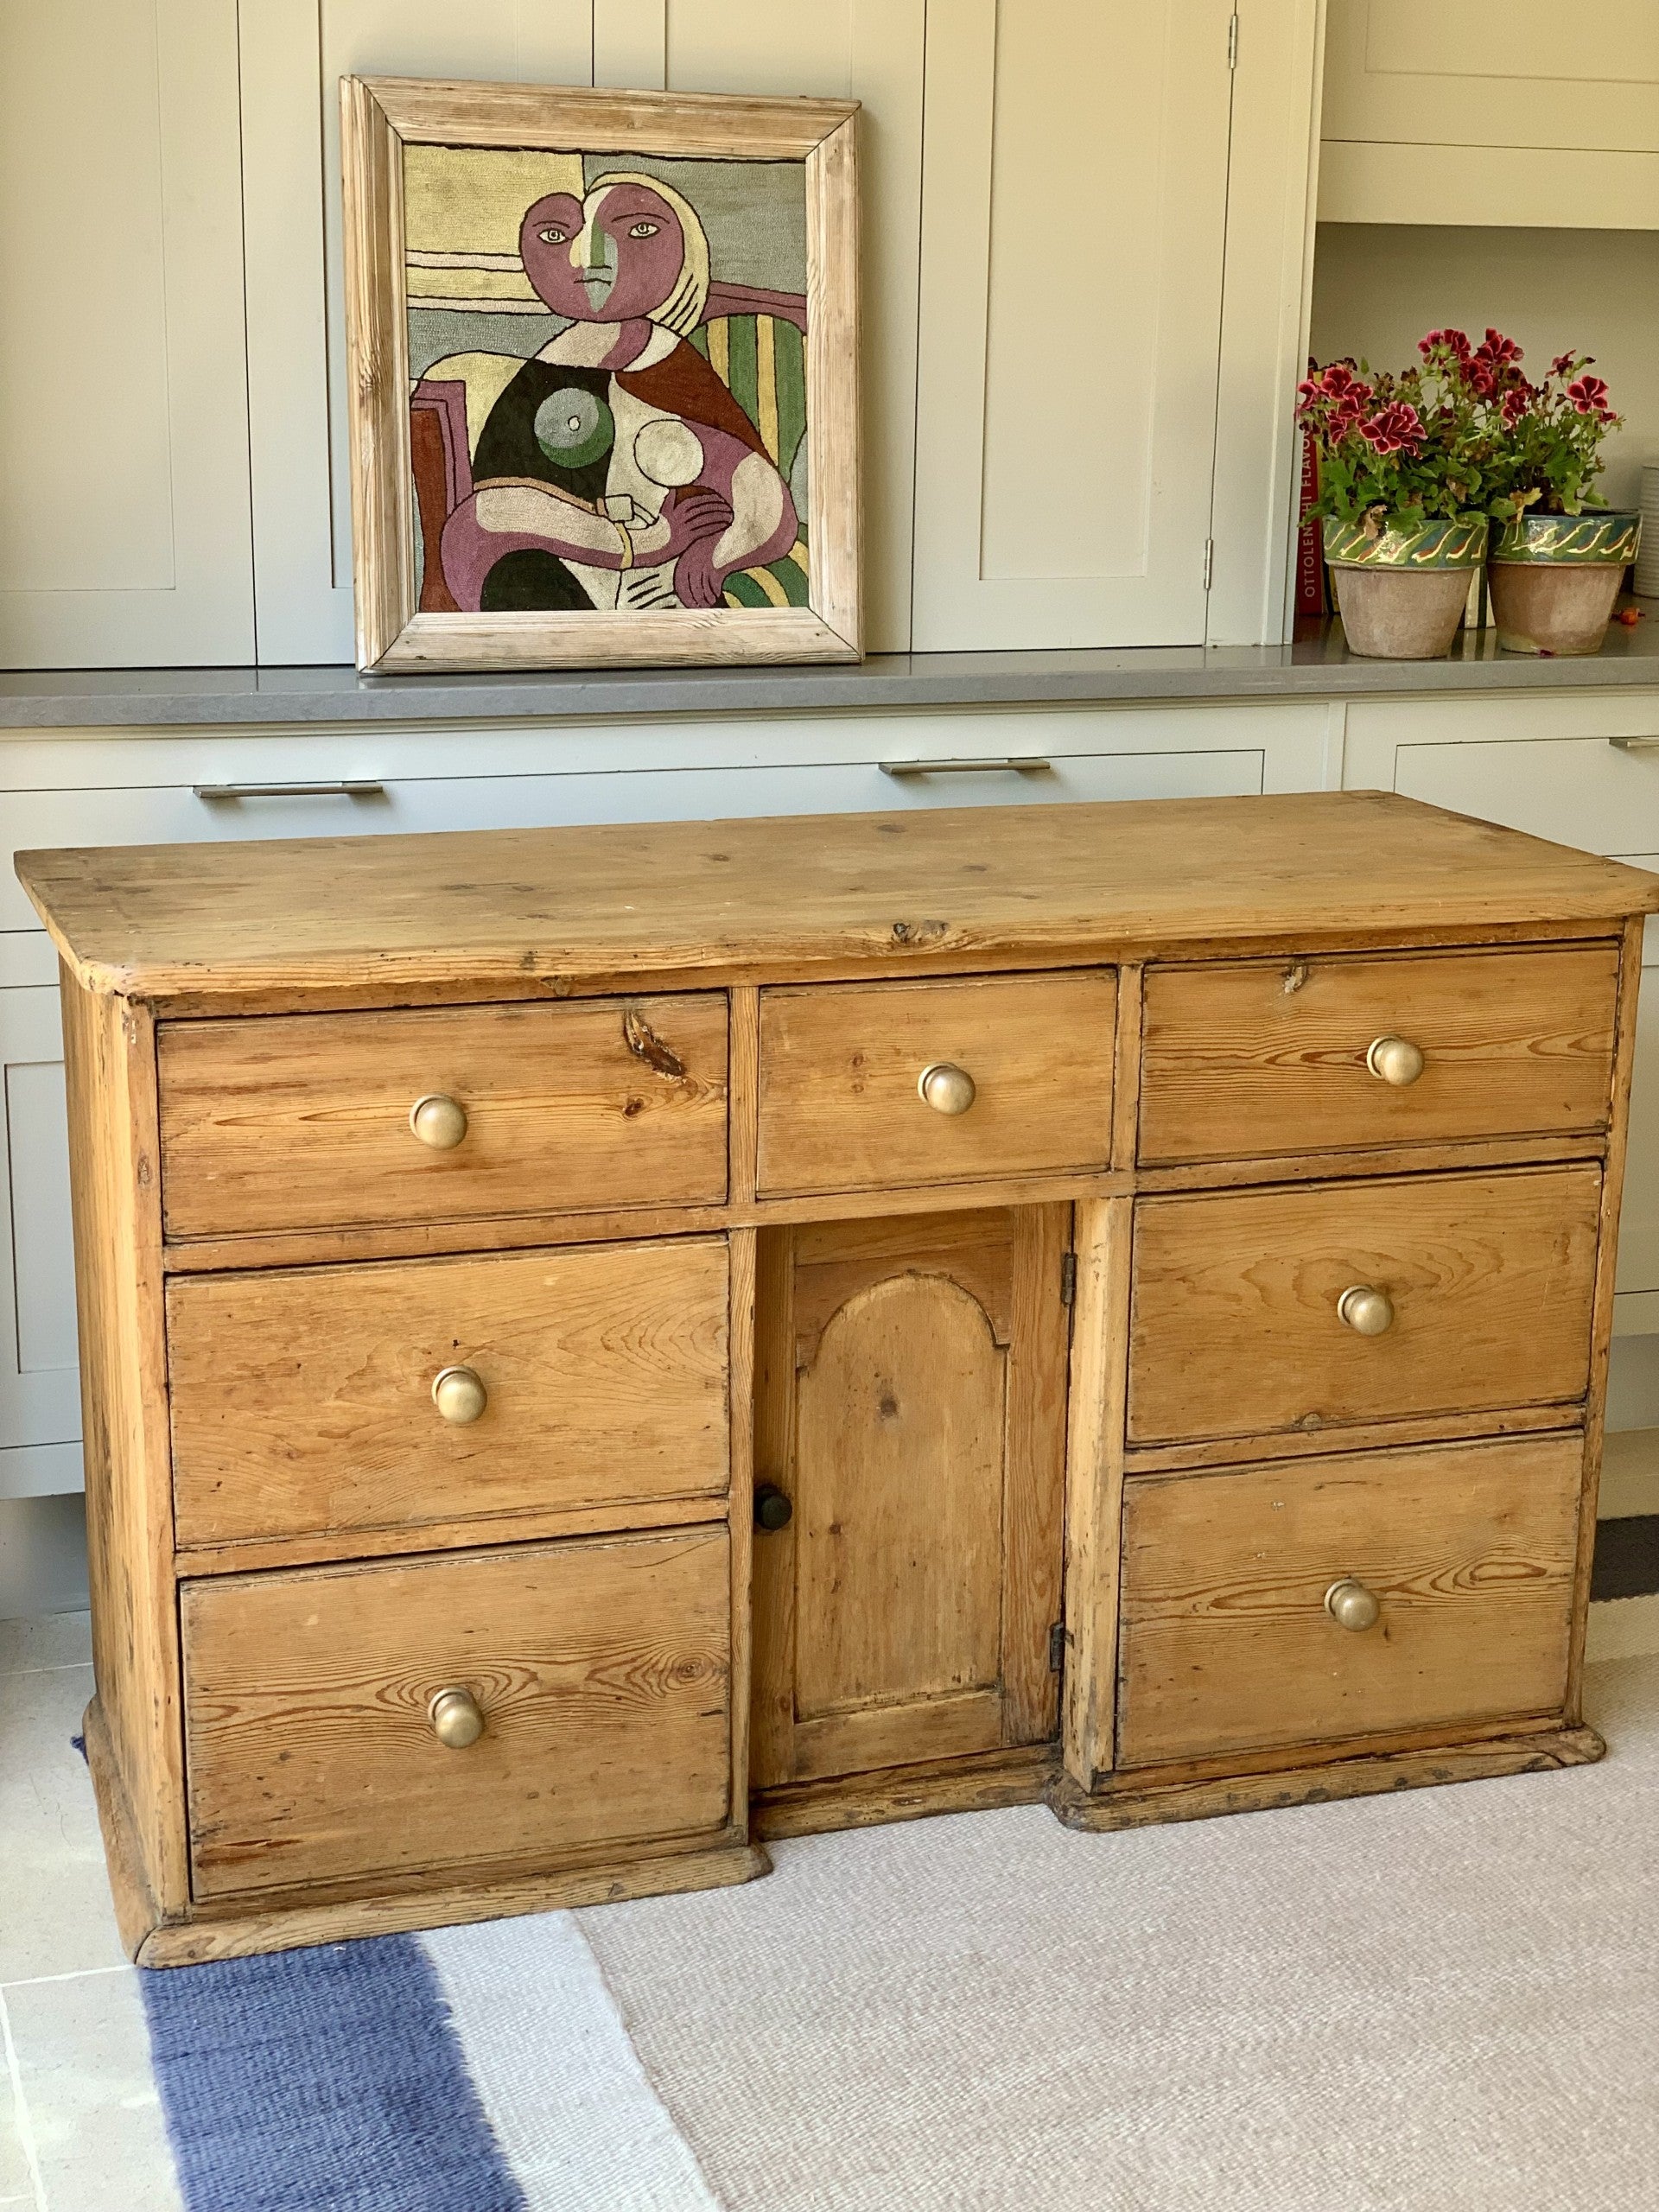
x,y
123,433
1074,191
909,1406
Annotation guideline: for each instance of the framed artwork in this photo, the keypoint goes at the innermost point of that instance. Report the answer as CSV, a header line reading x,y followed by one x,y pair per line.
x,y
603,375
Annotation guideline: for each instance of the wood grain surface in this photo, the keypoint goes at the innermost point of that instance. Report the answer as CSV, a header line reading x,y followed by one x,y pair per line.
x,y
1226,1644
601,1667
840,1108
911,1403
530,914
1247,1058
302,1121
1235,1327
302,1399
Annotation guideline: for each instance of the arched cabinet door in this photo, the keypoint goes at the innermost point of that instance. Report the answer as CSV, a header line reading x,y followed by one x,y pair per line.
x,y
910,1406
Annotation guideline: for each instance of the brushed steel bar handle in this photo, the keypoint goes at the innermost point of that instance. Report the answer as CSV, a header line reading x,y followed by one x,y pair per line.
x,y
1634,744
347,787
1018,764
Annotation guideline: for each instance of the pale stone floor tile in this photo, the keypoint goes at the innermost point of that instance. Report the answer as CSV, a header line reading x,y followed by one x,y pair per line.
x,y
82,2056
49,1640
15,2187
57,1918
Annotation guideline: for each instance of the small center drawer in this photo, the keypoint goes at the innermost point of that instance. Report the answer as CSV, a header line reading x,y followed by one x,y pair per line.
x,y
308,1121
1243,1321
1018,1072
1453,1565
310,1399
601,1671
1247,1060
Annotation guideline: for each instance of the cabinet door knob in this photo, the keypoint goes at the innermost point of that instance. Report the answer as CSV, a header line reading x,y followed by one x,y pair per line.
x,y
1351,1605
460,1396
947,1089
438,1122
1395,1060
456,1719
774,1509
1367,1312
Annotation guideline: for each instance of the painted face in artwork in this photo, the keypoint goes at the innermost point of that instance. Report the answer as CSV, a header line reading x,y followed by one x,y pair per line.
x,y
618,254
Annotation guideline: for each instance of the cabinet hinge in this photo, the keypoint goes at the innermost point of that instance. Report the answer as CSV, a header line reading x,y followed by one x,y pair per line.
x,y
1068,1278
1056,1647
1209,560
1232,43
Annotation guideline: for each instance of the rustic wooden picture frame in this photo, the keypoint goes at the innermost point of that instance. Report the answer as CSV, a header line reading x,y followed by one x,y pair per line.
x,y
379,116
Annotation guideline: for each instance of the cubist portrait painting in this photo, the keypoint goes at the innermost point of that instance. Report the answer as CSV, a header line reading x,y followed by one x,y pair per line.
x,y
608,390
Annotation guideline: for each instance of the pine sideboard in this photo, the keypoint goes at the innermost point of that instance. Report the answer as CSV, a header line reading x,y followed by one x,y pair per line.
x,y
602,1345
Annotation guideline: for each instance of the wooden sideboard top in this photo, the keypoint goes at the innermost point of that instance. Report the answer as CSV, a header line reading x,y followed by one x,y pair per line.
x,y
530,914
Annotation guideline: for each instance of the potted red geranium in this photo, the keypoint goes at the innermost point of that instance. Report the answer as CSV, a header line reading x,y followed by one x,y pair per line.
x,y
1403,492
1557,561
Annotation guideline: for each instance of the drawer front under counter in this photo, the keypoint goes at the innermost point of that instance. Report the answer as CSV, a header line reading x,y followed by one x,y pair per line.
x,y
600,1669
319,1399
1020,1072
1246,1059
295,1122
1453,1565
1262,1311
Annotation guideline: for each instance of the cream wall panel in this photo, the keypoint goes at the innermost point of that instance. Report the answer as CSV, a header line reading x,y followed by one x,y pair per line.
x,y
123,463
293,55
1461,73
1074,203
1272,177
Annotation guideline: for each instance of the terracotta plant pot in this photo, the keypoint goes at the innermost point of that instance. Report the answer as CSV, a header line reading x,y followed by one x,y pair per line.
x,y
1556,578
1402,593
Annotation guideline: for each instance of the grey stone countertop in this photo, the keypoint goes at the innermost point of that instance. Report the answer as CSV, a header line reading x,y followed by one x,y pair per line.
x,y
1316,666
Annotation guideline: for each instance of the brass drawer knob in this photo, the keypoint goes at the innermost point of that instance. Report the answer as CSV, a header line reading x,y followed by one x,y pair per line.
x,y
1395,1060
456,1719
438,1122
1351,1605
1367,1312
946,1088
460,1396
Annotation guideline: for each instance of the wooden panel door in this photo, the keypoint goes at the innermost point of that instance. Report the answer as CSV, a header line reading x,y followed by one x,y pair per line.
x,y
1074,202
124,450
911,1383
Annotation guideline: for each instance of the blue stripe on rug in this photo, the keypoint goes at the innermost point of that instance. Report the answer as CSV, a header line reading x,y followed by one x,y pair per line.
x,y
327,2079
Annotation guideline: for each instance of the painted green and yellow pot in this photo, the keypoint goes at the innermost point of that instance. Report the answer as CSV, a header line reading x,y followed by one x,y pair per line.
x,y
1555,579
1402,592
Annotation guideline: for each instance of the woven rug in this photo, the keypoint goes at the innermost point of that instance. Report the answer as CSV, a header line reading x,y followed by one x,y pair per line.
x,y
1447,1998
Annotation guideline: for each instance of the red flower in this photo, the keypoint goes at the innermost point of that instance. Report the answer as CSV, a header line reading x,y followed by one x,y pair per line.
x,y
1497,349
1515,403
1397,428
1454,342
1589,396
1562,362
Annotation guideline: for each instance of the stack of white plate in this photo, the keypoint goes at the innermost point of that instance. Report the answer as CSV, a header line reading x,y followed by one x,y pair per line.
x,y
1647,560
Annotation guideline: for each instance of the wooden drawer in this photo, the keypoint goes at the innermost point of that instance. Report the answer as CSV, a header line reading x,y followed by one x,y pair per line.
x,y
1235,1328
601,1669
302,1121
1251,1058
303,1398
840,1066
1227,1645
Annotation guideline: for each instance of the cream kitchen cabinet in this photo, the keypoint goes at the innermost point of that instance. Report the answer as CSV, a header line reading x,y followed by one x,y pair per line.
x,y
145,789
1450,111
124,441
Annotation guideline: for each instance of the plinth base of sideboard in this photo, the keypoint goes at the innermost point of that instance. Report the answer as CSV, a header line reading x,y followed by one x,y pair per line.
x,y
1128,1802
981,1783
226,1930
